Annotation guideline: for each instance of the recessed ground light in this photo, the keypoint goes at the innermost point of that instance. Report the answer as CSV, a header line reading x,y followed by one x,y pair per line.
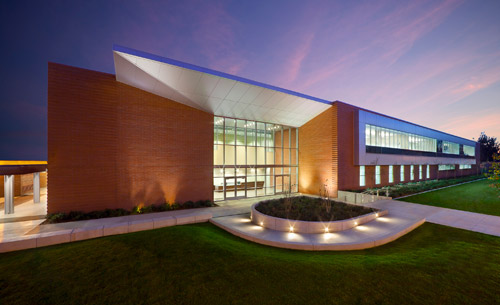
x,y
355,223
291,229
326,230
261,224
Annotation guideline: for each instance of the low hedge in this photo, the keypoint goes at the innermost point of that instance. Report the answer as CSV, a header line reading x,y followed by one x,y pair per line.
x,y
404,189
77,215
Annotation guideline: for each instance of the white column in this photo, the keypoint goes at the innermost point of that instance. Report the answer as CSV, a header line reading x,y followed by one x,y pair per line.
x,y
36,187
8,190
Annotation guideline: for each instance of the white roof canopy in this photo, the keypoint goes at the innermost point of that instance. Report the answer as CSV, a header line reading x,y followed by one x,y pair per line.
x,y
214,92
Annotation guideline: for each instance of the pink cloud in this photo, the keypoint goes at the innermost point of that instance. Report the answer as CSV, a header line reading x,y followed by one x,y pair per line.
x,y
214,32
327,71
469,88
382,41
471,126
294,62
407,31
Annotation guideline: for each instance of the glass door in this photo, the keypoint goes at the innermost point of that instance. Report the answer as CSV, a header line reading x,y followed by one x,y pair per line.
x,y
281,184
229,188
241,187
235,187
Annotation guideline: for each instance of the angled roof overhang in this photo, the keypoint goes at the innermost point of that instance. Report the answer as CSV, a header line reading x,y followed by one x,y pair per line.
x,y
213,91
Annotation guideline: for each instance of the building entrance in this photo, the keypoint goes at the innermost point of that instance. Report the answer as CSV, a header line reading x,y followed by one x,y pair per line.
x,y
235,187
282,184
253,159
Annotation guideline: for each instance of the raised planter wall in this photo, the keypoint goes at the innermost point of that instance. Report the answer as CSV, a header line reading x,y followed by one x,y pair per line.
x,y
352,197
300,226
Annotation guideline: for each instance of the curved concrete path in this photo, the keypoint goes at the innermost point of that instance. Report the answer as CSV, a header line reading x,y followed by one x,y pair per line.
x,y
372,234
482,223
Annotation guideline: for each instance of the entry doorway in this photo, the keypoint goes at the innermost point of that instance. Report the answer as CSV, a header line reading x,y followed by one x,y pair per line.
x,y
235,187
281,184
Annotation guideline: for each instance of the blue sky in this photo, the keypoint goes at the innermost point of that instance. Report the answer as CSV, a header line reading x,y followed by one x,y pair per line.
x,y
434,63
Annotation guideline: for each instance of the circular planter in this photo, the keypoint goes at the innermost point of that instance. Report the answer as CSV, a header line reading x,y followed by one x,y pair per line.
x,y
301,226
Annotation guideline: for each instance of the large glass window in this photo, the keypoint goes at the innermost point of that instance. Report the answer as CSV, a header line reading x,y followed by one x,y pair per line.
x,y
391,174
385,137
362,175
451,148
469,150
401,173
253,158
465,166
420,176
377,174
412,173
446,167
428,171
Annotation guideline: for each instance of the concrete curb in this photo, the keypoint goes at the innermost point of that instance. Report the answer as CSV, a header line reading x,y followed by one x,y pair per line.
x,y
70,235
313,227
312,246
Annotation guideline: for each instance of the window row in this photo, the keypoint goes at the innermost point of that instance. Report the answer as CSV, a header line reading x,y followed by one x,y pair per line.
x,y
260,171
252,182
233,182
362,174
447,167
248,155
385,137
251,133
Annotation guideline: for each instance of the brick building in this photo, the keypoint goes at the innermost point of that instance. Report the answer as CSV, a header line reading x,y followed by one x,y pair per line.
x,y
163,130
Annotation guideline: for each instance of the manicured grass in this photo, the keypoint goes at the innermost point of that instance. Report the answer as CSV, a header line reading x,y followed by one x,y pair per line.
x,y
474,197
204,265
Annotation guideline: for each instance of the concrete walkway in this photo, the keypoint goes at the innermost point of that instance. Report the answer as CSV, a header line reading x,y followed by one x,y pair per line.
x,y
18,233
476,222
21,234
27,216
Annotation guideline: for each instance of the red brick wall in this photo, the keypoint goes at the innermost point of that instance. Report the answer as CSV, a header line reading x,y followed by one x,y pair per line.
x,y
318,153
348,173
114,146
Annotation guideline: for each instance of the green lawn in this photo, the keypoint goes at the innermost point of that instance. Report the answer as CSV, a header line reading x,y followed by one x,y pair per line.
x,y
474,197
203,264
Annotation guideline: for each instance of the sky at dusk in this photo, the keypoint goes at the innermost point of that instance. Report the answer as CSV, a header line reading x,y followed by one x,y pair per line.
x,y
434,63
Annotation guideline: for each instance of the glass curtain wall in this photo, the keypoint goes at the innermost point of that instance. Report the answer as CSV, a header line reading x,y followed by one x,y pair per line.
x,y
385,137
253,159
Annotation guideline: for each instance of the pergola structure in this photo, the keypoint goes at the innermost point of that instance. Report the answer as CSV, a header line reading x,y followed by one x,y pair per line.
x,y
11,168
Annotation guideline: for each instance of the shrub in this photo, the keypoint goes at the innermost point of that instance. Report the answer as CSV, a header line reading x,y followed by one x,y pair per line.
x,y
56,217
404,189
139,209
311,209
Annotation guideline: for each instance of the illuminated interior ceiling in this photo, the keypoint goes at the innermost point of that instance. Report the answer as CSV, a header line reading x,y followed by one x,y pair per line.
x,y
214,92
